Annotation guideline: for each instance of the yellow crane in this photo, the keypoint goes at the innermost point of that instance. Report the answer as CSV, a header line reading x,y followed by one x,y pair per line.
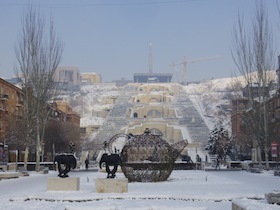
x,y
184,64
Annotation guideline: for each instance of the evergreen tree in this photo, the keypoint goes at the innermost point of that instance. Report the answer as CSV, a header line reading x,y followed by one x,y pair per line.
x,y
220,143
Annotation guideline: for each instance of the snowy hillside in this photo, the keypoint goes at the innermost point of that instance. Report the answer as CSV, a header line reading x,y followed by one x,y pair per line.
x,y
210,98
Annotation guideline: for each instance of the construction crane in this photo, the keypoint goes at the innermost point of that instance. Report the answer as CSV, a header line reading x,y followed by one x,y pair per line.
x,y
184,68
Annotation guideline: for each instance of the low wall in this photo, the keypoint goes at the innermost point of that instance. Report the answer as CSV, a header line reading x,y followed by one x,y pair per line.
x,y
3,167
32,165
184,166
250,204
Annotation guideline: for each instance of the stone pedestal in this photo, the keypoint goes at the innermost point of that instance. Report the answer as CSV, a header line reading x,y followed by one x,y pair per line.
x,y
9,175
111,185
64,184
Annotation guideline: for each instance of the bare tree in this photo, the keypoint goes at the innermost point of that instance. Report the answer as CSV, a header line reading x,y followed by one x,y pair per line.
x,y
62,134
38,53
253,53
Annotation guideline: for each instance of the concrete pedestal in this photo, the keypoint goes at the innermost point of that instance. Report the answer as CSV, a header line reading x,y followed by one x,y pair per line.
x,y
9,175
111,185
64,184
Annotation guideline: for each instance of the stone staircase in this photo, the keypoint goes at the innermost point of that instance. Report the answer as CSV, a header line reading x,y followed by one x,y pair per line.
x,y
188,118
116,119
191,119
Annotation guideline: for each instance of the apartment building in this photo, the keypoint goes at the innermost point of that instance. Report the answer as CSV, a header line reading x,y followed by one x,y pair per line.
x,y
91,78
71,116
11,106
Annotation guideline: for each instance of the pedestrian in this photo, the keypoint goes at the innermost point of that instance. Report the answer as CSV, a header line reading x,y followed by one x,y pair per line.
x,y
87,163
198,159
198,162
217,163
105,146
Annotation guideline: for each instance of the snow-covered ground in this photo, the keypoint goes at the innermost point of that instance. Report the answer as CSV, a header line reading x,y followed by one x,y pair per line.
x,y
188,190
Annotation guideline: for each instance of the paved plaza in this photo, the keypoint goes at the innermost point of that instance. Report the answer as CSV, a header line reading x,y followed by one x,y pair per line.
x,y
185,189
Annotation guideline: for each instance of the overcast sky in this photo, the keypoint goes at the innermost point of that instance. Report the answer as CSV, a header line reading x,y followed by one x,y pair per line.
x,y
112,37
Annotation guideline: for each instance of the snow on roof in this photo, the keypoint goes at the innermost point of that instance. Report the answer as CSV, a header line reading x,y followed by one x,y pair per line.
x,y
89,120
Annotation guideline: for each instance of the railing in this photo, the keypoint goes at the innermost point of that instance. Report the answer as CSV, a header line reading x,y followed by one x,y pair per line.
x,y
4,96
19,103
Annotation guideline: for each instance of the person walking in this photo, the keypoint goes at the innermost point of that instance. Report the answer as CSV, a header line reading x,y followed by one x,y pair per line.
x,y
87,163
217,163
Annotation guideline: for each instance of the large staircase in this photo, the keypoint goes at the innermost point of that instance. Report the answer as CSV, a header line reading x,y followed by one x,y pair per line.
x,y
191,119
188,117
116,119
